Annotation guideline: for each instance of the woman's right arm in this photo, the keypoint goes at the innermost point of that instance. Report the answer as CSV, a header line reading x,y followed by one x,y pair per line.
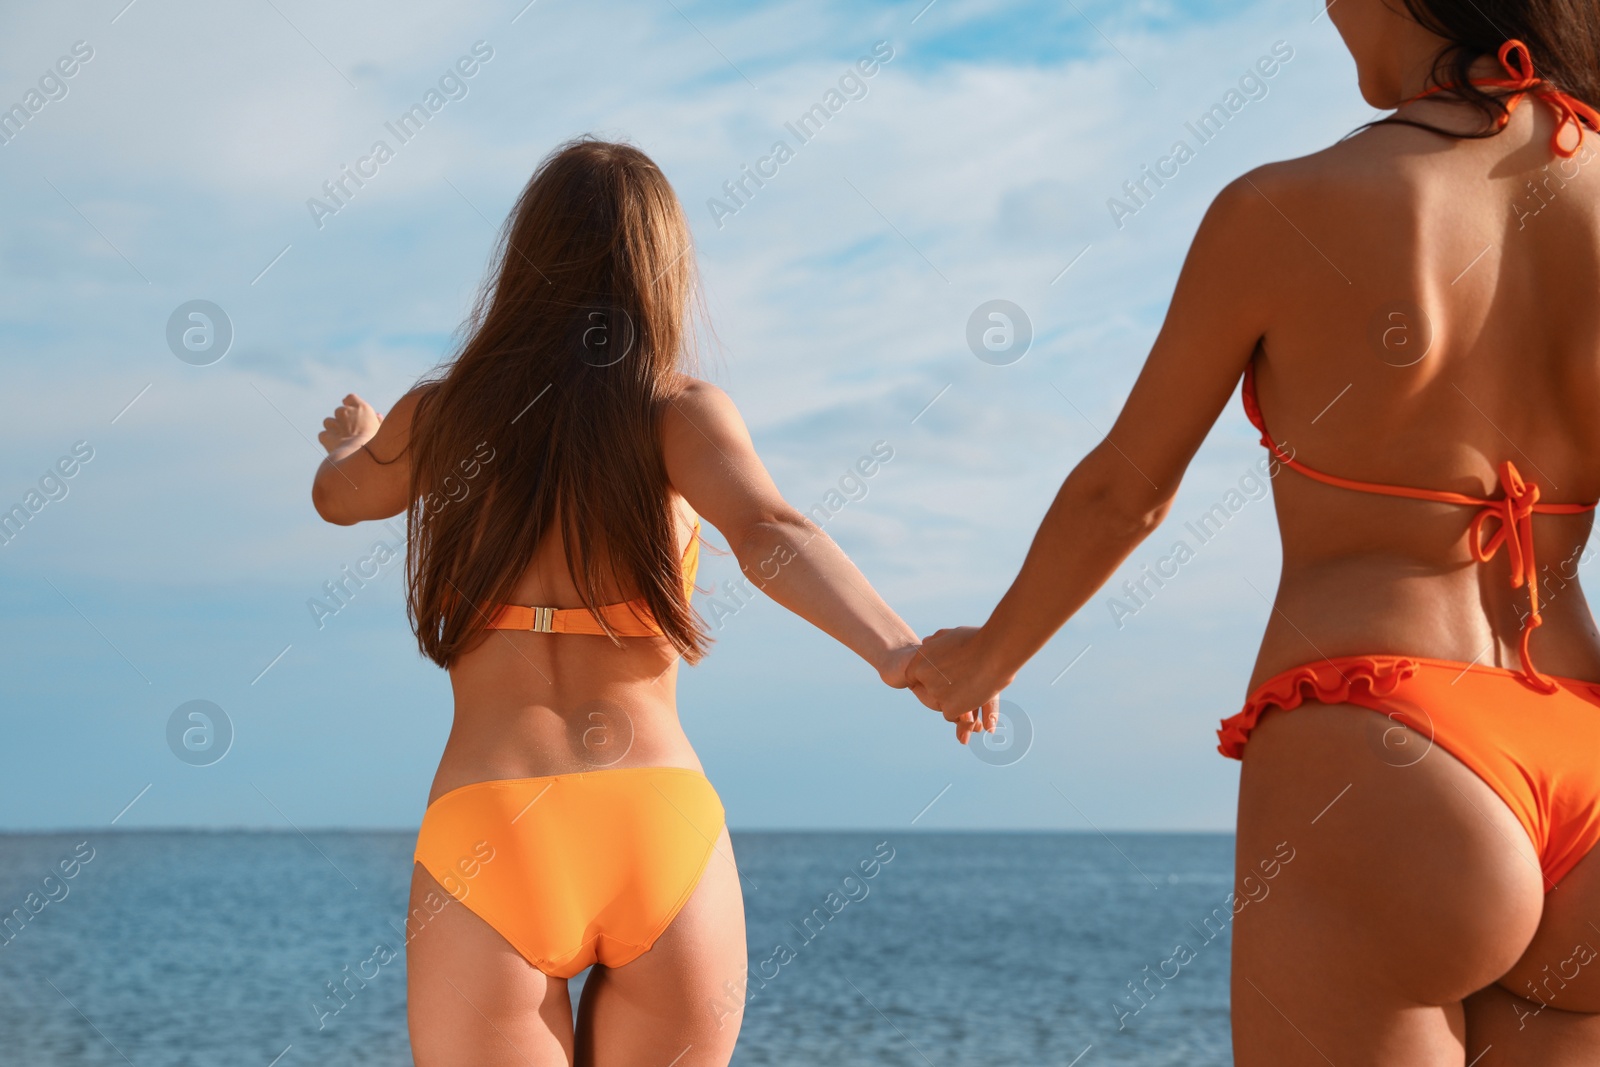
x,y
712,462
353,483
1122,490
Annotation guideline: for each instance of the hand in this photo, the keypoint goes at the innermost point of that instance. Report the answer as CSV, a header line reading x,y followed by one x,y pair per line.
x,y
952,676
895,672
894,667
353,421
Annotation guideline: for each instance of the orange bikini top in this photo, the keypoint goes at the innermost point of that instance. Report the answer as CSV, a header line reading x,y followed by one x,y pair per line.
x,y
1511,512
629,618
1518,64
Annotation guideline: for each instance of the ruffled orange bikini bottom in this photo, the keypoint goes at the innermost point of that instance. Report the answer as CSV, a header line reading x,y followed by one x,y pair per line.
x,y
575,869
1540,751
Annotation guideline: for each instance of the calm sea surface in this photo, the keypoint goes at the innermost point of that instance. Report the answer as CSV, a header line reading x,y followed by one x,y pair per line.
x,y
169,949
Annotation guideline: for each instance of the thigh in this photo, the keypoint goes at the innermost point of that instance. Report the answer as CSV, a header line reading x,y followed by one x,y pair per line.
x,y
682,1002
1545,1011
1410,885
1505,1030
471,999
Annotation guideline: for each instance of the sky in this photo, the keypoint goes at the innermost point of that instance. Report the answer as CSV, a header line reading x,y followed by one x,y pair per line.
x,y
188,157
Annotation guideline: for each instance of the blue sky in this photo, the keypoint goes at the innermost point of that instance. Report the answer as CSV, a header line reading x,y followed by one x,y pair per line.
x,y
977,166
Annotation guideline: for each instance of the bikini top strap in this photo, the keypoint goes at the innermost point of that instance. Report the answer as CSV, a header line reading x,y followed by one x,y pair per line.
x,y
1512,482
690,564
1517,62
628,618
1252,409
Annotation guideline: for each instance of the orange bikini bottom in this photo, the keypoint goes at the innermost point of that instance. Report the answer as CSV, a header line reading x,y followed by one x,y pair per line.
x,y
575,869
1539,751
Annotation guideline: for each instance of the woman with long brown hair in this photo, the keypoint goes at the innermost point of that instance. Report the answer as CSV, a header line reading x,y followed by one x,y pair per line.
x,y
554,475
1413,315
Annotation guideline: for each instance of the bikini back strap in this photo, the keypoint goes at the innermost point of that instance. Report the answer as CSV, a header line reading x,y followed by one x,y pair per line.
x,y
630,618
1504,521
1252,408
1517,62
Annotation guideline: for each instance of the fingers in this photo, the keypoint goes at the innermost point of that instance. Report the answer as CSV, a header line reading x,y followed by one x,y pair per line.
x,y
991,714
967,724
979,724
357,406
921,692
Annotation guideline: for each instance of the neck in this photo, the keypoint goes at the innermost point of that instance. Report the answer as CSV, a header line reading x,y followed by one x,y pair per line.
x,y
1416,78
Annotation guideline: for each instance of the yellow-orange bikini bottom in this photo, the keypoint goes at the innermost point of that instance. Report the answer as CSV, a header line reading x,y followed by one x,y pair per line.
x,y
575,869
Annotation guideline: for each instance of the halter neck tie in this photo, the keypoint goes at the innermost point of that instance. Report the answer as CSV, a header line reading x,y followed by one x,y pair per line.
x,y
1520,79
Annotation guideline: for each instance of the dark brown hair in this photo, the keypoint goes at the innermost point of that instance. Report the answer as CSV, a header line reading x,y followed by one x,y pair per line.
x,y
572,349
1563,37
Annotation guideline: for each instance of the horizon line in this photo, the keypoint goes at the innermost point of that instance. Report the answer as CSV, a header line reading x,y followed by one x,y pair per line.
x,y
1017,831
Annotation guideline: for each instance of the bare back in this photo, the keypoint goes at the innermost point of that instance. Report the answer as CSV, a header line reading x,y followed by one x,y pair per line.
x,y
533,704
1434,316
530,704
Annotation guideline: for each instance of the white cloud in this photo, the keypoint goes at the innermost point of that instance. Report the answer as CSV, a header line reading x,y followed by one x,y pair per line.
x,y
193,139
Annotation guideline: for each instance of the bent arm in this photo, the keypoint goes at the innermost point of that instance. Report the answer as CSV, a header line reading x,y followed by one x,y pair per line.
x,y
367,474
1123,489
712,462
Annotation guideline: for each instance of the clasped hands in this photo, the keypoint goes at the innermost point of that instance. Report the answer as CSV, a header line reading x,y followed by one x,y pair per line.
x,y
951,673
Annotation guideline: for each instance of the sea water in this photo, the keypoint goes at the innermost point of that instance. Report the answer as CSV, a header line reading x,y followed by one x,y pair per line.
x,y
191,948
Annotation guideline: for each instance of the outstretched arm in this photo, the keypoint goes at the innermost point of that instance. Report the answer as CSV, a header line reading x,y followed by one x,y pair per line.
x,y
712,462
1124,487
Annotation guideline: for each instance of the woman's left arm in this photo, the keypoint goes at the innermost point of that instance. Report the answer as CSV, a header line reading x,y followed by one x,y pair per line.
x,y
367,474
1122,490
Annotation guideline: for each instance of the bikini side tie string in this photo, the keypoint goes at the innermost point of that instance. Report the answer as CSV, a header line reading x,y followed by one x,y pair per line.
x,y
1513,514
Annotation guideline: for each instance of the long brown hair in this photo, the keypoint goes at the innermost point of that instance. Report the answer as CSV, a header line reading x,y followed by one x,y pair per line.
x,y
1563,39
571,351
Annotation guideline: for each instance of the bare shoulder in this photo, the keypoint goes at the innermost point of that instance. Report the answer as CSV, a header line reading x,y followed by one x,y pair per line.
x,y
1262,193
406,407
1382,162
697,394
394,432
711,461
1264,220
1246,215
1239,245
698,407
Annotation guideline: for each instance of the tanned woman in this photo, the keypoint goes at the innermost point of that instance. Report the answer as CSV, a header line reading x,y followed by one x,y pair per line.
x,y
1413,314
555,476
